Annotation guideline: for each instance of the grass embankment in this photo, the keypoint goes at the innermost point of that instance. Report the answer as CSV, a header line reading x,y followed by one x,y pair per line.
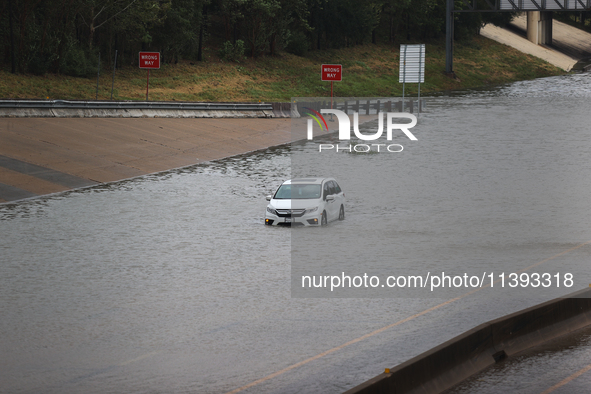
x,y
368,71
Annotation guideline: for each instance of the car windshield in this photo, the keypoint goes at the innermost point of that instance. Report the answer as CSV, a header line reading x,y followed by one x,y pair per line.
x,y
297,192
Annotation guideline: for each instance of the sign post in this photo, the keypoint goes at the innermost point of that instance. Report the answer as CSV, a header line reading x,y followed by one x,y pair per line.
x,y
331,72
412,67
149,60
98,74
113,80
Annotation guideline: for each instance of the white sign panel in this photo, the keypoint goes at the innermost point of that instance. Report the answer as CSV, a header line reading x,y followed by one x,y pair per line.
x,y
412,63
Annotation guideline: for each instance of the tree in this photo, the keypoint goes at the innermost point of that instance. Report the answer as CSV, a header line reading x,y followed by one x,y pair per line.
x,y
259,24
178,35
231,13
96,13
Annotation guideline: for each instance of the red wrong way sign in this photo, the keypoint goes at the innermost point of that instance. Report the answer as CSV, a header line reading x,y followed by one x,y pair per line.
x,y
332,72
149,59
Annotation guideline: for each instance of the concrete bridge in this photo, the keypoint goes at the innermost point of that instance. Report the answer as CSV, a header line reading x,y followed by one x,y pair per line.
x,y
539,27
539,17
568,46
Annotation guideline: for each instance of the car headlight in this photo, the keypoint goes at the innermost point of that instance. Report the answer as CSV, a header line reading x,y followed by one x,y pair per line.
x,y
271,211
310,210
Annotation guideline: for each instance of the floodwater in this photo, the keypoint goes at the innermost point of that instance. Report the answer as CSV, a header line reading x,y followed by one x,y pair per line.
x,y
559,366
491,186
171,282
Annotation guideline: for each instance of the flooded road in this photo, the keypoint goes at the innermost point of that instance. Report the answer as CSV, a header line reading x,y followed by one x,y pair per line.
x,y
559,366
171,282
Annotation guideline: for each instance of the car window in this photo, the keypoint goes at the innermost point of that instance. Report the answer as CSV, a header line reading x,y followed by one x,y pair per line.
x,y
331,188
284,192
337,188
313,191
326,190
298,192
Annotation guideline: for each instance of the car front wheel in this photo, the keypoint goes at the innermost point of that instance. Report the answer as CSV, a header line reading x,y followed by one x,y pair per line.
x,y
323,220
342,213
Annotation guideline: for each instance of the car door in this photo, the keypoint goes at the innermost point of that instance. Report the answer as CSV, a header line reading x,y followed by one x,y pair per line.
x,y
339,195
333,205
327,203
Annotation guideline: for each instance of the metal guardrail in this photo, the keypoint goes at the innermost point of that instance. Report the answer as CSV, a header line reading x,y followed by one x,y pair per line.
x,y
72,104
366,106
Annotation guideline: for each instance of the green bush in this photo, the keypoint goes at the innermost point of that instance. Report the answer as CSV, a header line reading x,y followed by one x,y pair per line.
x,y
232,52
40,62
78,63
298,44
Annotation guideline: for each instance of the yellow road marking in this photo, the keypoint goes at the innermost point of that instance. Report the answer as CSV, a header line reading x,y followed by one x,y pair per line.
x,y
569,379
555,256
380,330
306,361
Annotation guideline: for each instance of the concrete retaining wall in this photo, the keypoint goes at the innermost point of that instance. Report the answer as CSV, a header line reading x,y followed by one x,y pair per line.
x,y
467,354
128,113
111,109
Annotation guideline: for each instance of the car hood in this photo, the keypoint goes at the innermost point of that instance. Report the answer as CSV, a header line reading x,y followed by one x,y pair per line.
x,y
294,204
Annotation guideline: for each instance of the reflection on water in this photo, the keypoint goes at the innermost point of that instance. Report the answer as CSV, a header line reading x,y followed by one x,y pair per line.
x,y
108,274
492,186
556,361
573,85
171,282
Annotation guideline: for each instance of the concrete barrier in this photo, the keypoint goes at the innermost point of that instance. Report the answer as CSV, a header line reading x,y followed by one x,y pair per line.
x,y
281,110
471,352
135,109
129,113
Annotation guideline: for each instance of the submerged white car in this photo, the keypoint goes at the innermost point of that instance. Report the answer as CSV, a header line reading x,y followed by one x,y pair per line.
x,y
306,201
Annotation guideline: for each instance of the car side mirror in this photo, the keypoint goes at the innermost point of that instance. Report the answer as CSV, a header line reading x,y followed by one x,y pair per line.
x,y
330,197
269,198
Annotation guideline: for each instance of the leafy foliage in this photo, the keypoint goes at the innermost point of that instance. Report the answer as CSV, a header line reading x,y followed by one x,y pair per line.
x,y
66,36
232,52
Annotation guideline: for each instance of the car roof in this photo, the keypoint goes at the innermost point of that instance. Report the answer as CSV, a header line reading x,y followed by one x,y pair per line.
x,y
306,180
